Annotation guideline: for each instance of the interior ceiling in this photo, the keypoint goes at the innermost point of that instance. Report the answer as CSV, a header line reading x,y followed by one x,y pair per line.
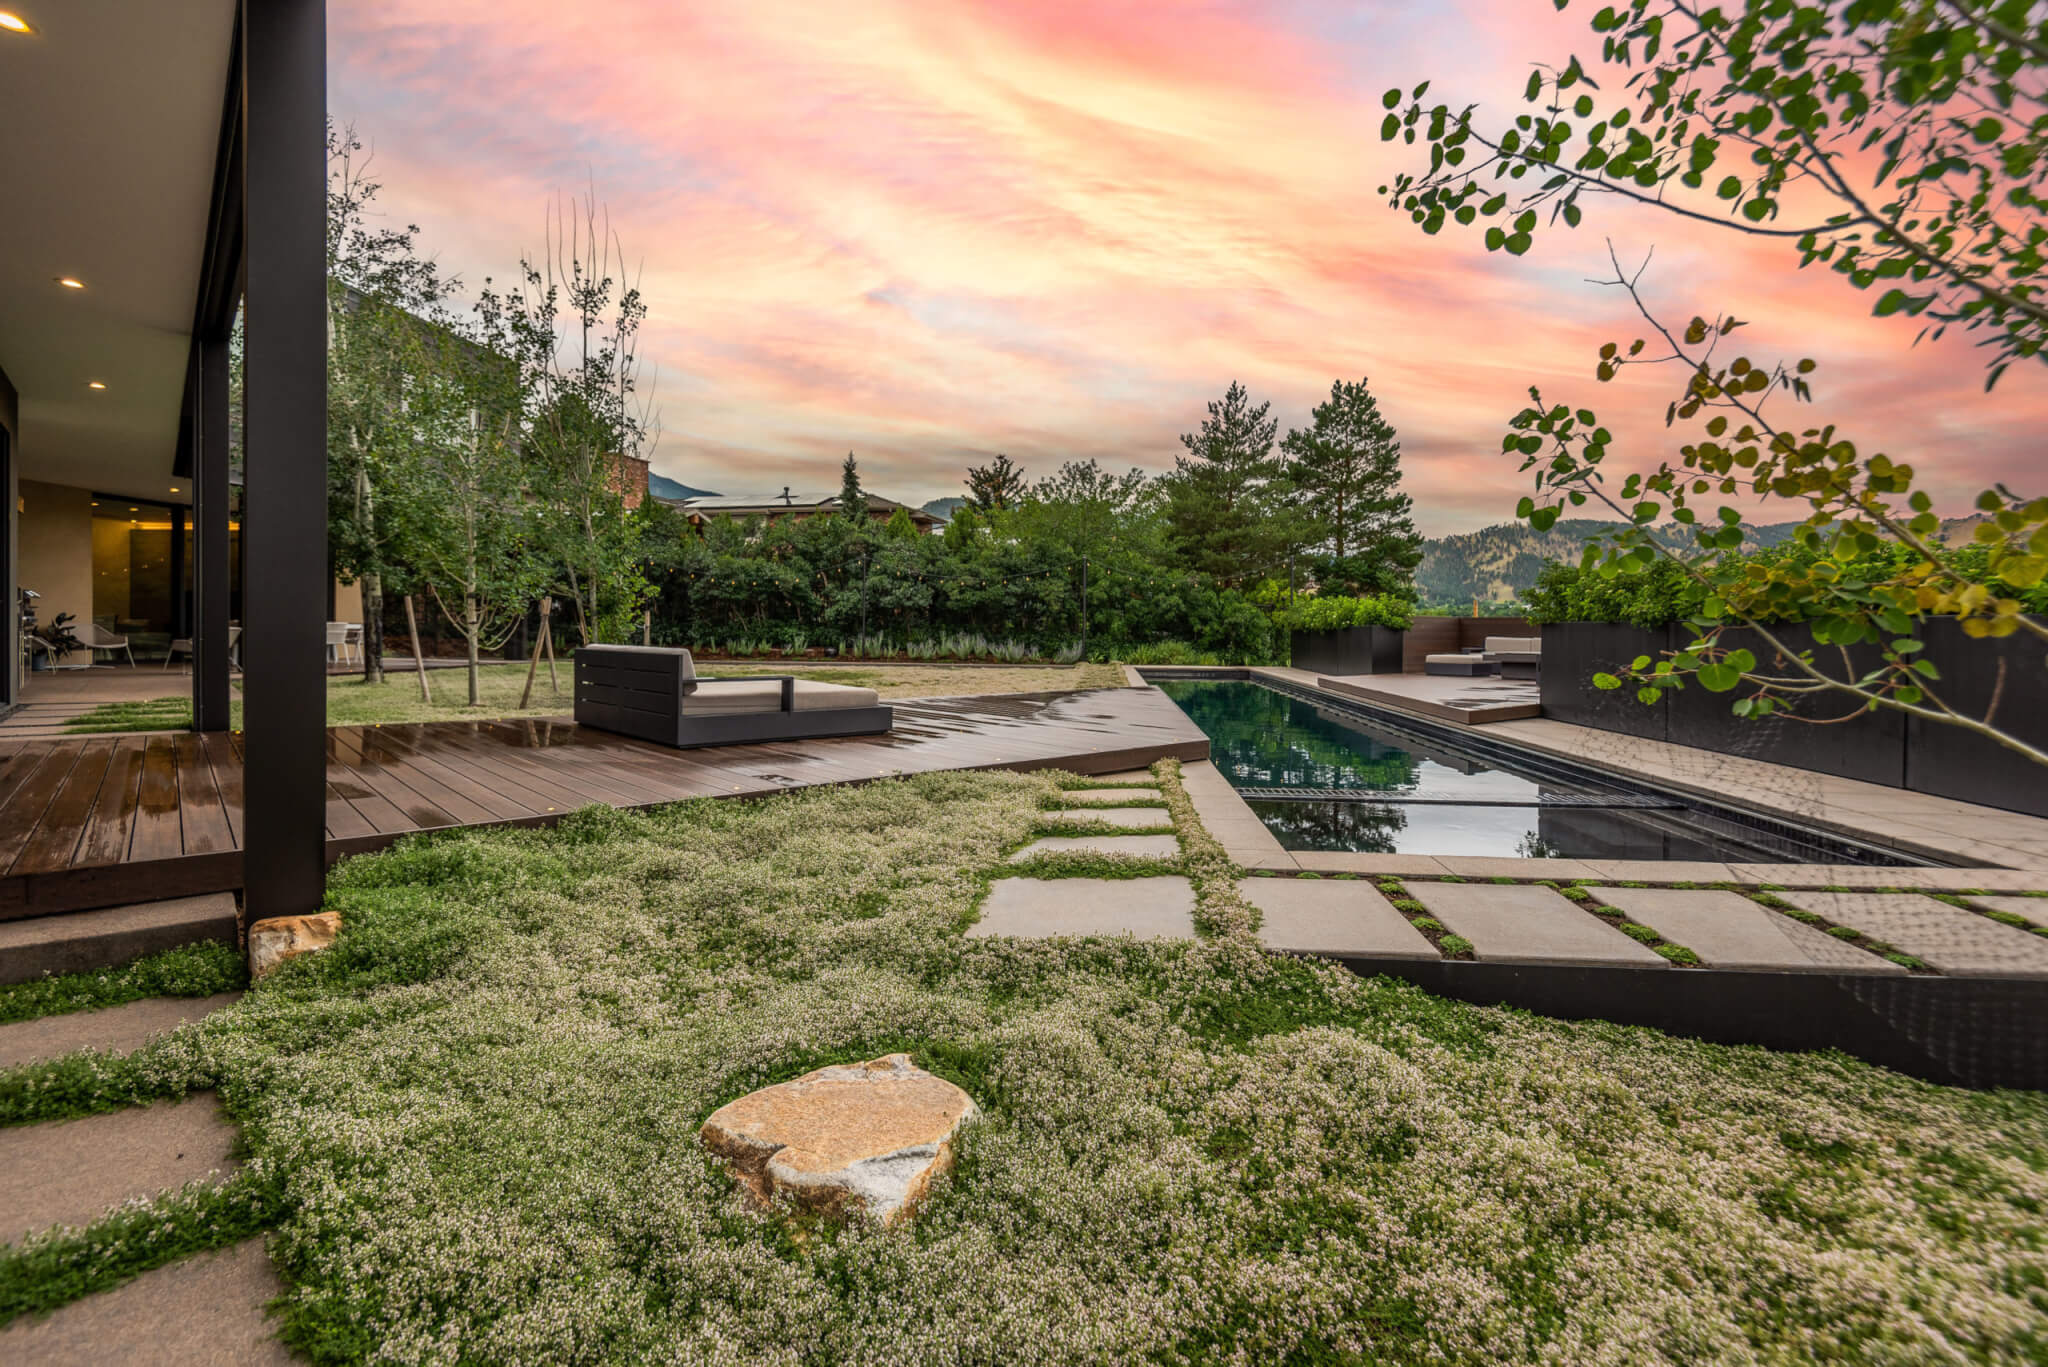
x,y
112,111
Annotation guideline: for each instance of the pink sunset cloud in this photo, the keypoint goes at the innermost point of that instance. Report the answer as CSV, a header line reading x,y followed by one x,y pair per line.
x,y
928,230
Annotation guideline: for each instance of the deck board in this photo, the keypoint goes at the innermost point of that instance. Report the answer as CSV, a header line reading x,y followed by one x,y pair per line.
x,y
85,818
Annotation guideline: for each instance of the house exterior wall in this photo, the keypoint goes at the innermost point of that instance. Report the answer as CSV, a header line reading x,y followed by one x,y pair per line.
x,y
54,549
10,618
348,601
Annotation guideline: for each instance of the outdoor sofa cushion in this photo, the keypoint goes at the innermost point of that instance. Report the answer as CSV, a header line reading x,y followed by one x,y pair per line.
x,y
1514,645
732,697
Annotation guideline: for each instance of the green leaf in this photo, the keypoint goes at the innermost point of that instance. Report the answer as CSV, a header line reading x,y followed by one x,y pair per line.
x,y
1742,661
1389,126
1495,238
1391,99
1517,243
1891,303
1729,188
1646,696
1606,681
1535,86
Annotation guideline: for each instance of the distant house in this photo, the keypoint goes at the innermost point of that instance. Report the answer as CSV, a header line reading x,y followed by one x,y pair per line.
x,y
794,506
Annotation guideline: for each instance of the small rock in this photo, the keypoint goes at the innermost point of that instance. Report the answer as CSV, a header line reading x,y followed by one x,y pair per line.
x,y
872,1134
273,941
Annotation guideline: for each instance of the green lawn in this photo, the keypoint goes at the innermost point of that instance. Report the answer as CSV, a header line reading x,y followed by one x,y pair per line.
x,y
351,702
472,1128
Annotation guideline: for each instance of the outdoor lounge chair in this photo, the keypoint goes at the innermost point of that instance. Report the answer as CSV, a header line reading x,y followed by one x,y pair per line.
x,y
97,638
1519,657
653,693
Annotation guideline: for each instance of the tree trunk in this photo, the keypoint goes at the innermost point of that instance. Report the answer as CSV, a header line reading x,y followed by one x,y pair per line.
x,y
547,606
472,627
373,628
419,662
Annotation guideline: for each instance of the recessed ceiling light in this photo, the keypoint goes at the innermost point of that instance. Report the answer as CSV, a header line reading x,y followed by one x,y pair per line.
x,y
14,23
71,282
174,488
95,384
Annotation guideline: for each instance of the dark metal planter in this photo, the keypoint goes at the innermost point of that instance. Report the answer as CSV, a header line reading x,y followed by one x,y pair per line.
x,y
1951,762
1832,734
1573,652
1351,650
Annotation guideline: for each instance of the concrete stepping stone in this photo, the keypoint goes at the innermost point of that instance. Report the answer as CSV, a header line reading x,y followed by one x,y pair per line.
x,y
206,1309
1111,796
71,1172
1307,916
1135,846
82,940
1035,908
1123,818
1945,937
116,1029
1530,923
1136,778
2035,909
1730,931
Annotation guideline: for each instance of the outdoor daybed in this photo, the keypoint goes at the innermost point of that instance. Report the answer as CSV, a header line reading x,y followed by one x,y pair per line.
x,y
1512,657
653,693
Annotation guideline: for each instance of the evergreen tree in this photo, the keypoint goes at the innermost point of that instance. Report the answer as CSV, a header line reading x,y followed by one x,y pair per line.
x,y
853,500
1226,508
995,487
1345,471
900,527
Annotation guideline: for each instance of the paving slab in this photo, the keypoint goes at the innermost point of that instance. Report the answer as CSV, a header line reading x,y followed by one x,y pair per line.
x,y
1034,908
81,940
1379,865
1123,818
1315,917
2035,909
1135,846
1497,866
1660,870
72,1172
1947,938
1530,924
1111,796
207,1309
117,1029
1141,778
1728,930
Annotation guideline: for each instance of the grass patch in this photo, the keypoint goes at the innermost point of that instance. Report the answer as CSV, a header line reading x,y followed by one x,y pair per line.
x,y
199,970
479,1113
156,714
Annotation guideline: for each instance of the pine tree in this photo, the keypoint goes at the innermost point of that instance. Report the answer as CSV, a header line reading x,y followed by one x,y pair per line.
x,y
853,500
1346,474
1226,510
995,487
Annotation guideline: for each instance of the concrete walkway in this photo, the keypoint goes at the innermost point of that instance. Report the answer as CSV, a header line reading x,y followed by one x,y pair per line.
x,y
1955,941
117,1030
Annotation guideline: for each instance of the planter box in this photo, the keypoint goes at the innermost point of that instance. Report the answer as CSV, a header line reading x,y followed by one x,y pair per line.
x,y
1573,652
1950,762
1353,650
1833,738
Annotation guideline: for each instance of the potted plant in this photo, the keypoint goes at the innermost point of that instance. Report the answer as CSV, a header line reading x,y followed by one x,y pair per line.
x,y
1331,634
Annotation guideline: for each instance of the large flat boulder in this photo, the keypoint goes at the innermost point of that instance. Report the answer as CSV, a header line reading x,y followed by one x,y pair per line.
x,y
871,1135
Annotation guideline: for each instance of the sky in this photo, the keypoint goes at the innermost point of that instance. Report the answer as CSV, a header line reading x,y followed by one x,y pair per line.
x,y
926,231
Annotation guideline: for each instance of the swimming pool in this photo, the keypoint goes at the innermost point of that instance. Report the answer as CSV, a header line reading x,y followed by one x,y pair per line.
x,y
1340,779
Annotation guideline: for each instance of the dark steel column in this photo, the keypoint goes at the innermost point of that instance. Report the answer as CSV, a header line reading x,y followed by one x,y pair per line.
x,y
211,508
284,505
178,625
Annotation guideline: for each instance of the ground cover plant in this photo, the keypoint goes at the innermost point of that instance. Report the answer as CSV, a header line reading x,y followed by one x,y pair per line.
x,y
475,1118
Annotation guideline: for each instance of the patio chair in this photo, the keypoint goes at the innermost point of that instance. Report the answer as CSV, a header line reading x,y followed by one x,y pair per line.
x,y
653,693
183,646
1519,657
352,642
97,638
337,642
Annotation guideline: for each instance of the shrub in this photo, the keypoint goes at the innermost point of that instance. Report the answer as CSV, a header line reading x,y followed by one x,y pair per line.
x,y
1335,613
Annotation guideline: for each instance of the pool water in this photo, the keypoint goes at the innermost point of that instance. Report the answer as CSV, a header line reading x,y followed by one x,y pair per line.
x,y
1432,798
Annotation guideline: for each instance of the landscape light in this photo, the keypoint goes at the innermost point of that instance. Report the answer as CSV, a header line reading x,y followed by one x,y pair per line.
x,y
14,23
71,282
95,384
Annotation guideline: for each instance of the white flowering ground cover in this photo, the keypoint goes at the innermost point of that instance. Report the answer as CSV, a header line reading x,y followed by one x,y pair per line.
x,y
473,1131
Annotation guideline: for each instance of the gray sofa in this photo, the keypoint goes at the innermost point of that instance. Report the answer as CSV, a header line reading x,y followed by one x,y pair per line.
x,y
1512,657
653,693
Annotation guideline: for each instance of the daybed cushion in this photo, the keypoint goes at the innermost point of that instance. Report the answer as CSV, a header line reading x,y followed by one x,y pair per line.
x,y
1458,659
1515,645
734,697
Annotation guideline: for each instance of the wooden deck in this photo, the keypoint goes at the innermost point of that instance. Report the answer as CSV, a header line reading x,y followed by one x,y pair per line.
x,y
104,820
